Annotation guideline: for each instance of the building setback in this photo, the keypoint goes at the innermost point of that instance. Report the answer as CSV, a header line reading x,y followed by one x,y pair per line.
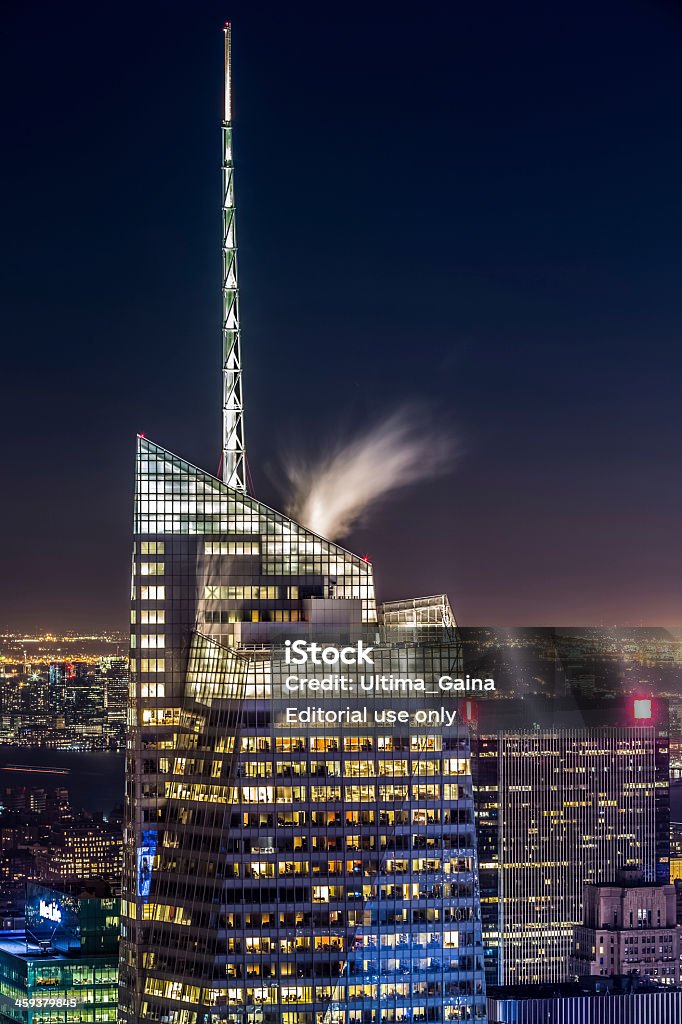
x,y
629,928
620,1003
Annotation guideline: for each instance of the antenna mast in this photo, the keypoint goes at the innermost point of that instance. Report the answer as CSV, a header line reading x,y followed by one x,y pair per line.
x,y
234,451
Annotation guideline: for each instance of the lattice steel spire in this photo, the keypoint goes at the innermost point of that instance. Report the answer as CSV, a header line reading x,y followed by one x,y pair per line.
x,y
234,452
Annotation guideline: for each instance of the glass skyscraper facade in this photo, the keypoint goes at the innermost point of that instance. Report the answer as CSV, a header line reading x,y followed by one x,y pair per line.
x,y
278,868
63,968
293,854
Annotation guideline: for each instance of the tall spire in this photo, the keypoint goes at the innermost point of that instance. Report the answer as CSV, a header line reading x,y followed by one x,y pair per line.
x,y
234,452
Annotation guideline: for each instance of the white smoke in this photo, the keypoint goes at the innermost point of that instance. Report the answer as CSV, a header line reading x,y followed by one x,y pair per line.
x,y
330,496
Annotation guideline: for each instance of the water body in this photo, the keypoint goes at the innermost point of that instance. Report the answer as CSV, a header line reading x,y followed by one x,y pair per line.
x,y
94,781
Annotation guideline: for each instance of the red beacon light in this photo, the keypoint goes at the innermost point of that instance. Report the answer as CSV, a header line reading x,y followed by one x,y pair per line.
x,y
642,708
365,558
469,711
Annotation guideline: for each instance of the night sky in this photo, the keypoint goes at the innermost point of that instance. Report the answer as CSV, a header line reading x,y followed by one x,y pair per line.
x,y
476,206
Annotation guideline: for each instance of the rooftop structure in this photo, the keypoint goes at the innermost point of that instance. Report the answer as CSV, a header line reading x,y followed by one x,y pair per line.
x,y
629,927
618,1000
63,965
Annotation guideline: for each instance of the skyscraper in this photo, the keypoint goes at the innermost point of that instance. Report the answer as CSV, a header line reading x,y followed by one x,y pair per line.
x,y
290,857
575,807
558,808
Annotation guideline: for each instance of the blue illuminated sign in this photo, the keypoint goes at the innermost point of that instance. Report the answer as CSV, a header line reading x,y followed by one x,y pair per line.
x,y
145,862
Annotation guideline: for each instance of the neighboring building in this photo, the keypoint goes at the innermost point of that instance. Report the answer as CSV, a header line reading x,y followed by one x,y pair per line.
x,y
418,617
676,839
574,808
675,850
623,1000
16,799
38,801
661,725
58,805
10,699
629,928
678,899
36,697
82,851
17,866
560,805
485,769
114,676
676,741
63,967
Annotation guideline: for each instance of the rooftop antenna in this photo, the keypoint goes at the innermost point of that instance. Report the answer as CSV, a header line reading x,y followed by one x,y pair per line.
x,y
234,451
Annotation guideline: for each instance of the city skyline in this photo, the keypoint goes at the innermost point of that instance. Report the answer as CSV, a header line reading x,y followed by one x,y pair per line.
x,y
302,796
521,237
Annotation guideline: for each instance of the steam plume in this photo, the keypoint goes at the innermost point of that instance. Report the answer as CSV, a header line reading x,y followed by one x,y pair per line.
x,y
330,496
